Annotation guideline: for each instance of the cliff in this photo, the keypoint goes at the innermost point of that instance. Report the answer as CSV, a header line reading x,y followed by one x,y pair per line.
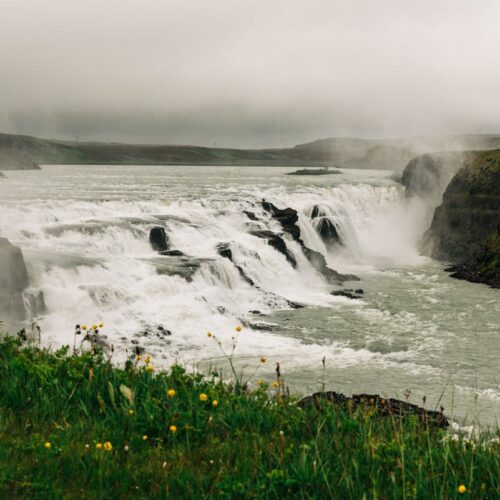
x,y
465,229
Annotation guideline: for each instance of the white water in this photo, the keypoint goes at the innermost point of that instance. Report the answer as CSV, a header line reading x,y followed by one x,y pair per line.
x,y
84,233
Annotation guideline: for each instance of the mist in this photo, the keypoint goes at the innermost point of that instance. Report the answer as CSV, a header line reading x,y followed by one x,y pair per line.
x,y
252,74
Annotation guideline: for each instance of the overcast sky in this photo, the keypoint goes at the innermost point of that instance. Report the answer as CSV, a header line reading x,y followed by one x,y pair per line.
x,y
248,72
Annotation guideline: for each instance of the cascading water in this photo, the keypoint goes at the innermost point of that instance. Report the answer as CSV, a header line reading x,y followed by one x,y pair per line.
x,y
84,232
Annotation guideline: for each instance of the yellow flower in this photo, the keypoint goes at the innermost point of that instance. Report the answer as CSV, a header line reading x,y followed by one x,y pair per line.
x,y
131,412
173,428
203,397
94,327
108,446
98,446
101,324
84,327
260,381
171,393
144,438
215,403
147,359
461,489
276,384
139,357
47,445
150,368
238,328
209,334
263,359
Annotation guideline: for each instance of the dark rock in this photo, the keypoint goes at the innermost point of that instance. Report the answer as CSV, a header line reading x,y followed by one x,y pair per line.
x,y
250,215
315,171
277,242
360,291
172,253
325,227
224,250
393,408
158,239
135,342
346,293
138,350
288,219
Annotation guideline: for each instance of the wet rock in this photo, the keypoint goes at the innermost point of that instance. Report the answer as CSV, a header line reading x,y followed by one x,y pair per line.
x,y
325,227
381,407
158,239
287,217
277,242
13,282
224,250
172,253
250,215
318,262
347,293
183,266
360,291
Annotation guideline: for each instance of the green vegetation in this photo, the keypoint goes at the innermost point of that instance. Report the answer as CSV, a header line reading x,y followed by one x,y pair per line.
x,y
75,426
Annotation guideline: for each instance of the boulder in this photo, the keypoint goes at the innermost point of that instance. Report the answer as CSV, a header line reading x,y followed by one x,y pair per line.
x,y
381,407
158,239
13,282
325,226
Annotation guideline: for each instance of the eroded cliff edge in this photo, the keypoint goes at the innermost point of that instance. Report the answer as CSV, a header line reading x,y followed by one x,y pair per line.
x,y
465,229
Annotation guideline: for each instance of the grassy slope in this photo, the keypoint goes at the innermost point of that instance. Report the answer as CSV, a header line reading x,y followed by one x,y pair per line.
x,y
255,443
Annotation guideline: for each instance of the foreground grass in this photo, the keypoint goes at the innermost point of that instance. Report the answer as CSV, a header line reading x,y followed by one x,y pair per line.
x,y
78,427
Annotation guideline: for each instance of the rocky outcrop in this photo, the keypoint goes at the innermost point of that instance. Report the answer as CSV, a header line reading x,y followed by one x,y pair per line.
x,y
378,406
466,227
426,176
158,239
224,250
325,227
277,242
288,219
13,282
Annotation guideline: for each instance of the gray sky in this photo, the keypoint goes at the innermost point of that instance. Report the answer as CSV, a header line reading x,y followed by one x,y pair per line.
x,y
248,72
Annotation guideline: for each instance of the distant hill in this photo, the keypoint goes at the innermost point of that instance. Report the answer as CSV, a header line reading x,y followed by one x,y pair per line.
x,y
24,152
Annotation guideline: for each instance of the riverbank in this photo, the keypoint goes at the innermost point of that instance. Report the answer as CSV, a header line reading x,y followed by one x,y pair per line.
x,y
77,426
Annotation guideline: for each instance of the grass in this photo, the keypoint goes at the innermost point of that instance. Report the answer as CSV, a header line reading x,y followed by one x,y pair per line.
x,y
59,412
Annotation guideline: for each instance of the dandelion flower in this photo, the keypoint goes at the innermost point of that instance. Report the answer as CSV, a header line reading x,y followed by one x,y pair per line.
x,y
461,489
238,328
101,324
131,412
171,393
203,397
145,437
276,384
209,334
173,429
150,368
108,446
139,357
47,445
147,359
260,381
98,446
84,327
215,403
94,327
263,359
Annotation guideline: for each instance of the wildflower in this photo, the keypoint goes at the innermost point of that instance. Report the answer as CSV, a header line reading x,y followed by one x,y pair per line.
x,y
87,446
147,359
126,448
171,393
47,445
84,327
276,384
260,381
215,403
238,328
282,433
263,359
98,446
211,462
209,334
108,446
145,437
173,429
94,327
150,368
131,412
461,489
101,325
203,397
